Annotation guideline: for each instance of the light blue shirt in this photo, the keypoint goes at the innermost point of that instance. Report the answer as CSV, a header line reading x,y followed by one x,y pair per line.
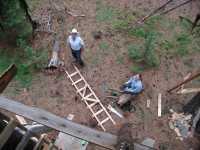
x,y
135,86
76,44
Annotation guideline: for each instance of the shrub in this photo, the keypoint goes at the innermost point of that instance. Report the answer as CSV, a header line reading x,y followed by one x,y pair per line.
x,y
150,56
146,52
137,68
104,13
182,40
26,59
136,52
120,25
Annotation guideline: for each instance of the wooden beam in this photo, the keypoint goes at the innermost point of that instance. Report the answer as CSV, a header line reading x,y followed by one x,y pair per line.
x,y
189,90
7,76
60,124
185,81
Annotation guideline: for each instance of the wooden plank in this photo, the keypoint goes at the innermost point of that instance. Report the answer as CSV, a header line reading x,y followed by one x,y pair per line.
x,y
98,112
73,74
63,125
87,96
7,76
77,81
21,120
159,105
91,105
6,133
105,120
189,90
90,99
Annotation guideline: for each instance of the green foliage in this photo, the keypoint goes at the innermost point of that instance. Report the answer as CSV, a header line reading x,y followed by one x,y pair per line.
x,y
185,24
167,45
104,13
104,46
123,21
120,25
146,52
120,59
182,42
26,59
14,20
137,32
136,52
137,68
151,58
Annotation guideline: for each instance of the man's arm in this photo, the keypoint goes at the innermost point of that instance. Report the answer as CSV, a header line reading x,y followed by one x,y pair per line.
x,y
68,42
82,44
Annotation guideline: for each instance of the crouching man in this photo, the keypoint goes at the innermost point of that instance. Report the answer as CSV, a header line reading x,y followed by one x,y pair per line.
x,y
133,85
130,89
76,45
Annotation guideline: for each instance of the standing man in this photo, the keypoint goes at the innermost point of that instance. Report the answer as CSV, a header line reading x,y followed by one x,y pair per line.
x,y
76,45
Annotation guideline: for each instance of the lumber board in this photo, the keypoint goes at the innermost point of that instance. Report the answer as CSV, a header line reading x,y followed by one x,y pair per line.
x,y
189,90
159,105
46,118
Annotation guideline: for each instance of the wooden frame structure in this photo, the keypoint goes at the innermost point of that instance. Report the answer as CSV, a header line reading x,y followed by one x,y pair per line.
x,y
11,125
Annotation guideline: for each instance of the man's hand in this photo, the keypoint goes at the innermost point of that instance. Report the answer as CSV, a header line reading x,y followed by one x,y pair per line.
x,y
82,49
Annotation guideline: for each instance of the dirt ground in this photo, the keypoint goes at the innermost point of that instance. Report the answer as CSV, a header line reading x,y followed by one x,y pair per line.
x,y
102,71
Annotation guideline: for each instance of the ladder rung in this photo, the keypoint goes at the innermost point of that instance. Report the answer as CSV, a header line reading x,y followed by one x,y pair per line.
x,y
71,75
98,112
89,95
77,81
102,122
81,89
90,99
91,105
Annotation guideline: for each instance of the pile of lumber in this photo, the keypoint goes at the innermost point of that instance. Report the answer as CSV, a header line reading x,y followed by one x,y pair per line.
x,y
181,124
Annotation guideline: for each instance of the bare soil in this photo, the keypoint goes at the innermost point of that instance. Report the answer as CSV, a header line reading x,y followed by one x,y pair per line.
x,y
57,95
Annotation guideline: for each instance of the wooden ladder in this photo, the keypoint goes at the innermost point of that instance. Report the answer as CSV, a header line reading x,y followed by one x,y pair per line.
x,y
89,97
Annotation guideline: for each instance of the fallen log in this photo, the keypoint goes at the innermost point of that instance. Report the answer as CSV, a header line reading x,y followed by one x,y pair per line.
x,y
192,77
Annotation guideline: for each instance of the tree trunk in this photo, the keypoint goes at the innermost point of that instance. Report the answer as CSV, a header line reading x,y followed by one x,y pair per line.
x,y
24,6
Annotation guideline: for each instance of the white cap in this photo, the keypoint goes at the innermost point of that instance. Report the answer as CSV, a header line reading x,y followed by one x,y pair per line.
x,y
74,31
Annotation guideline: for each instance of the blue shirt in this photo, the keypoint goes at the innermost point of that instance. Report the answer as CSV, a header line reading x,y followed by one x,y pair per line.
x,y
134,86
75,44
